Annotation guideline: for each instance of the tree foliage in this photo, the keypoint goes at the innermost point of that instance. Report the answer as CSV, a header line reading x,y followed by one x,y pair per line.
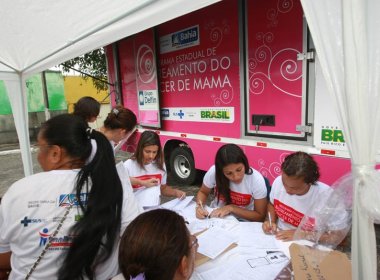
x,y
92,64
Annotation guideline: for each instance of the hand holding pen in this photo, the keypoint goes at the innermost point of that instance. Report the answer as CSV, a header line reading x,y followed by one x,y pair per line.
x,y
270,226
201,213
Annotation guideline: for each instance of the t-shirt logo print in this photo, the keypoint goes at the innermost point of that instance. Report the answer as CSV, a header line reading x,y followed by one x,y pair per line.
x,y
65,200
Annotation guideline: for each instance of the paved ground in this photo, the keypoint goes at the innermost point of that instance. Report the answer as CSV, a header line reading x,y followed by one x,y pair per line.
x,y
11,170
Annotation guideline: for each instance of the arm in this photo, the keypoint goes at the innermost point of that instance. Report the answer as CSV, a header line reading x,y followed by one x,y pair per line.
x,y
267,225
5,261
284,235
201,199
146,183
169,191
256,215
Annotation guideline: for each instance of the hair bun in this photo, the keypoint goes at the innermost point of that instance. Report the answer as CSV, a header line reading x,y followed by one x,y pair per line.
x,y
115,111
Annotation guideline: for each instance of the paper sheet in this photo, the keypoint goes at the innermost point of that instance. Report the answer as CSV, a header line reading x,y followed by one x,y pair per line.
x,y
148,196
177,204
214,241
250,264
223,223
252,235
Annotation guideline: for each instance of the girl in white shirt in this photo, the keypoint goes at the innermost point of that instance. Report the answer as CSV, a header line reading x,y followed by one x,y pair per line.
x,y
296,193
239,189
146,168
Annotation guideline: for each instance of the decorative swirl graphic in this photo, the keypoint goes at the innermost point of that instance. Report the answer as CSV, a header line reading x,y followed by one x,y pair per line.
x,y
289,68
262,53
225,97
257,84
146,67
265,38
261,162
272,15
252,63
216,36
217,32
274,169
284,6
282,66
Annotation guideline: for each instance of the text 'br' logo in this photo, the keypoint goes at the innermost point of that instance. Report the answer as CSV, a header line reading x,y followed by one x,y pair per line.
x,y
332,135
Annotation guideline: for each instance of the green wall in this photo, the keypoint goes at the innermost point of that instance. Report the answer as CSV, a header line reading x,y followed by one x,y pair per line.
x,y
55,92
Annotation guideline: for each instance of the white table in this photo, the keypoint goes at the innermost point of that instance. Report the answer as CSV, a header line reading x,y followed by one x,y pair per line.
x,y
257,256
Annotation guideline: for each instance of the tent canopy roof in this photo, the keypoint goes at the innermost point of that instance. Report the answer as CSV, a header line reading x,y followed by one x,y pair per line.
x,y
36,35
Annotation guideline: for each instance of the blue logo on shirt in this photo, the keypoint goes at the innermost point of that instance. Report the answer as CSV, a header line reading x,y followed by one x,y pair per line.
x,y
65,200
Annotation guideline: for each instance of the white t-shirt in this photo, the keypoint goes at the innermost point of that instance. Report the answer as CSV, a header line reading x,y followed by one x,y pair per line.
x,y
243,194
290,209
149,171
147,197
30,212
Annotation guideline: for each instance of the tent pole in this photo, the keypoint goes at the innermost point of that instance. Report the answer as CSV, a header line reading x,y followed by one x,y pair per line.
x,y
16,89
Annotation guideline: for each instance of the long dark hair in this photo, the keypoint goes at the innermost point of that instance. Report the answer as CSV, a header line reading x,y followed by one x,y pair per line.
x,y
96,233
154,244
149,138
301,165
228,154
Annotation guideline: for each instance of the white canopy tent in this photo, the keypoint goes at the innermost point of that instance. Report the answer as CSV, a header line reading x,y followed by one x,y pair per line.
x,y
347,40
36,35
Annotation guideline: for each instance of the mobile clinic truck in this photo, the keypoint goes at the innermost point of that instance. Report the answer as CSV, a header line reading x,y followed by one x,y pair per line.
x,y
241,72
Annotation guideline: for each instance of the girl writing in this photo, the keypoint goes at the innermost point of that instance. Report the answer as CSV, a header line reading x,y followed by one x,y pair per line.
x,y
239,189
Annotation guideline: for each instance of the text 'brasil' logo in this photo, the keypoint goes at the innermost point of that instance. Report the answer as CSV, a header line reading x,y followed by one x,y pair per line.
x,y
217,114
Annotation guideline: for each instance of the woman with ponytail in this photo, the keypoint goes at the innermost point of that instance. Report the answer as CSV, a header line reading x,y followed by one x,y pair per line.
x,y
66,222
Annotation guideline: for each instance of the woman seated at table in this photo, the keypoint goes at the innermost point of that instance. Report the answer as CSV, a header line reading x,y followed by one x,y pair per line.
x,y
157,246
292,195
239,189
147,170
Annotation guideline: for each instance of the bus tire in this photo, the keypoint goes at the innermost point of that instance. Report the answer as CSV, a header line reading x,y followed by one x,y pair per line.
x,y
182,166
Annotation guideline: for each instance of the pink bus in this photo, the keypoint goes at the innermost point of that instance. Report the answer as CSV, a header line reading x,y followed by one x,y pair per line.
x,y
242,72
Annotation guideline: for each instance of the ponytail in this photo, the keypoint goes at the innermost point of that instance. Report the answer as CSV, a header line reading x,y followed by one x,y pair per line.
x,y
96,233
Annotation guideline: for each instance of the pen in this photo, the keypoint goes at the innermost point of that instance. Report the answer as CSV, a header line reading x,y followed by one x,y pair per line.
x,y
201,205
270,220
